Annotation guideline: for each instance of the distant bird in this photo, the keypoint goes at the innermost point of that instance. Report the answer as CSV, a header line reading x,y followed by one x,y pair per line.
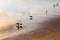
x,y
46,12
19,25
31,18
54,5
57,4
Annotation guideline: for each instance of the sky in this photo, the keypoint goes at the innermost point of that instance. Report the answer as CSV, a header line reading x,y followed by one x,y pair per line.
x,y
7,6
13,5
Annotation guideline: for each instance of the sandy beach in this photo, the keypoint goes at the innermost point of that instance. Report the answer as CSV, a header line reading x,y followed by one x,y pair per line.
x,y
50,31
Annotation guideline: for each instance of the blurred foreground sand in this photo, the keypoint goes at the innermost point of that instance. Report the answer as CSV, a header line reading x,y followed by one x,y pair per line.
x,y
51,31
